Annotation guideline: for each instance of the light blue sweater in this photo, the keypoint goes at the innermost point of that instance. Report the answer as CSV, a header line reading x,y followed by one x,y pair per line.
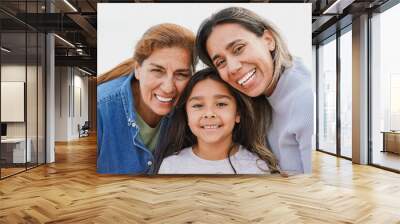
x,y
292,128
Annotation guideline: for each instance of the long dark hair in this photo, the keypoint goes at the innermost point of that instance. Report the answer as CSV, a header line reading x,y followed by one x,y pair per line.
x,y
248,133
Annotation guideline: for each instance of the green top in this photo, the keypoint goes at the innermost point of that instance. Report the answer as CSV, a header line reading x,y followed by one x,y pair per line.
x,y
148,134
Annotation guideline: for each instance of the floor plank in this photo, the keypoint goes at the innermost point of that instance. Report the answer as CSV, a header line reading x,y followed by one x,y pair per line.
x,y
70,191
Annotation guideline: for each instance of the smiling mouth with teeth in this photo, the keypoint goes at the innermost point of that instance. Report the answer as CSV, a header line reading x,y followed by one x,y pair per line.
x,y
249,76
164,99
214,126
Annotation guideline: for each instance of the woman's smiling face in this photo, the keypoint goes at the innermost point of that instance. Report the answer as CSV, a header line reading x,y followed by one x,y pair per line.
x,y
162,77
242,58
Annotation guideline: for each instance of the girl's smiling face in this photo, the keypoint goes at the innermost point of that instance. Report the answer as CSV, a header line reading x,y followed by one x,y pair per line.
x,y
242,58
211,112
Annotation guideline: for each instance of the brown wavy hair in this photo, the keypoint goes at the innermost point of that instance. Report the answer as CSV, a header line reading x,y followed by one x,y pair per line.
x,y
164,35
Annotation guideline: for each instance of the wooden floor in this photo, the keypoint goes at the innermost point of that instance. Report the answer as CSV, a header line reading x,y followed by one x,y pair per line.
x,y
9,171
70,191
5,172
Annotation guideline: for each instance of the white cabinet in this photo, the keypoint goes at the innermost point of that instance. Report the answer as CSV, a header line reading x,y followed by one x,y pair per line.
x,y
18,149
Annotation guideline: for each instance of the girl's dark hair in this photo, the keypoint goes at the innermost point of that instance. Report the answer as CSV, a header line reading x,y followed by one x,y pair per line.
x,y
250,132
253,23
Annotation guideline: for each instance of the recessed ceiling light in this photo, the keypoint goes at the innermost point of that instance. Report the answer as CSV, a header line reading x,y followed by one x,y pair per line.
x,y
70,5
64,40
337,7
86,72
5,50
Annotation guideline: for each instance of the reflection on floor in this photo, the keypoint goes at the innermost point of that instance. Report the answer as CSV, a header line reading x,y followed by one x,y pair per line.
x,y
10,169
386,159
347,152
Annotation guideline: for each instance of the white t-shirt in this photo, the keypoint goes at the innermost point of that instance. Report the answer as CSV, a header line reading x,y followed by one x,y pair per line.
x,y
186,162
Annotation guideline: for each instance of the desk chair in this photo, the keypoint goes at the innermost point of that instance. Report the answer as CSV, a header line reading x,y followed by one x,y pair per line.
x,y
84,130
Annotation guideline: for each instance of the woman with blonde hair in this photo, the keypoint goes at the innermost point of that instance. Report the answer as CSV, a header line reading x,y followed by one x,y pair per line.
x,y
134,98
250,55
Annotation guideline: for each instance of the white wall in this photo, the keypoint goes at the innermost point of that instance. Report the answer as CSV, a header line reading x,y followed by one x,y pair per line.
x,y
16,72
61,103
80,84
13,72
67,115
33,126
120,26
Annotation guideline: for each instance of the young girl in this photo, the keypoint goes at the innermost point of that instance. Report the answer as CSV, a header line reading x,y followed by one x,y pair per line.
x,y
212,132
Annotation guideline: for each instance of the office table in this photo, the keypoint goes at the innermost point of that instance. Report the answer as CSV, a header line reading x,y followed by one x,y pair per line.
x,y
391,141
13,150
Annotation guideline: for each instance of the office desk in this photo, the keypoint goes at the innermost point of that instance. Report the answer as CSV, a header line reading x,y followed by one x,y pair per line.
x,y
391,141
13,150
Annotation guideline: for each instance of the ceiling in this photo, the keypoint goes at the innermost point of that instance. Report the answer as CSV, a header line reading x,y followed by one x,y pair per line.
x,y
76,22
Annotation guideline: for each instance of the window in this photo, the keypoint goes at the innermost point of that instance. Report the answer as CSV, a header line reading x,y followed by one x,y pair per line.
x,y
385,89
327,97
22,64
346,94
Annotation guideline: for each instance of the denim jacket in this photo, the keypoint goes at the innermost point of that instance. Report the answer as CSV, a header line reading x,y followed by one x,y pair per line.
x,y
120,149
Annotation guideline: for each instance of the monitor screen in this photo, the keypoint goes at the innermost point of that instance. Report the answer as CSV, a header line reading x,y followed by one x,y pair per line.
x,y
3,129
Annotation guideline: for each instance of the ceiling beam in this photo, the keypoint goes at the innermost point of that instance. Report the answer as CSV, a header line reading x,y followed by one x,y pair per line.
x,y
86,26
83,61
